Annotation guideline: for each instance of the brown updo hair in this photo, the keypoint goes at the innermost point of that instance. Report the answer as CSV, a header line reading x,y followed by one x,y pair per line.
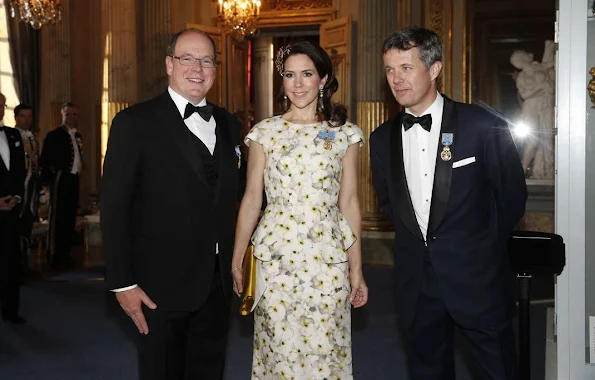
x,y
334,113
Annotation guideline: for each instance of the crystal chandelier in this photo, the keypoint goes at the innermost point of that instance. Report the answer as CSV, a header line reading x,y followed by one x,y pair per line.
x,y
239,17
36,13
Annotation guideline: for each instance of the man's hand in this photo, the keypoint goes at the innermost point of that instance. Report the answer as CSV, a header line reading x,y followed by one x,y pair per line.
x,y
131,301
7,203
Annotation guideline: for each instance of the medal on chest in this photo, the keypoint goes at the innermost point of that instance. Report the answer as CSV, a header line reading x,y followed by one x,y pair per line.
x,y
328,137
447,140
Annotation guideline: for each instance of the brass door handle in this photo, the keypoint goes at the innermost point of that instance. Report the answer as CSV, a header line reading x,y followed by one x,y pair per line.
x,y
591,86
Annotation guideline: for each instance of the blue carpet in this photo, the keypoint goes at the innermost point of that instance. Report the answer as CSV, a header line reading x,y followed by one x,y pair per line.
x,y
76,331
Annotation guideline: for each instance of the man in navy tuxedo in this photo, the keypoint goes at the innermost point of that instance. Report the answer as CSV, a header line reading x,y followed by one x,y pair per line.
x,y
449,177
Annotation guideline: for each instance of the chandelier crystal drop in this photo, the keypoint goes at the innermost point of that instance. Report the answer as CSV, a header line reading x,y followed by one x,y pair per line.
x,y
36,13
239,17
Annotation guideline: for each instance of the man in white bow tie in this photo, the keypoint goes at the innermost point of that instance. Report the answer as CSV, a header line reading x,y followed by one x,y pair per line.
x,y
61,166
12,177
449,177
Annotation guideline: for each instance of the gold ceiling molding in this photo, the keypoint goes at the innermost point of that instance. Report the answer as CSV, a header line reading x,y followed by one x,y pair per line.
x,y
293,5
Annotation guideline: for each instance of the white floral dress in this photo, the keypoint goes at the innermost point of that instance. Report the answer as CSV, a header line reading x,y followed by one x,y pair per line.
x,y
302,322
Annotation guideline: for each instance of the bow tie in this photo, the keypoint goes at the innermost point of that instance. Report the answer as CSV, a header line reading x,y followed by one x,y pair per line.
x,y
205,111
425,121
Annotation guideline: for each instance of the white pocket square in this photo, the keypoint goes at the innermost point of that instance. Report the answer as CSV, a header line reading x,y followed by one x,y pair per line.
x,y
463,162
17,144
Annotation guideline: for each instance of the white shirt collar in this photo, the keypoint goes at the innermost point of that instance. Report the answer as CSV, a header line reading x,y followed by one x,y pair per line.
x,y
181,102
435,106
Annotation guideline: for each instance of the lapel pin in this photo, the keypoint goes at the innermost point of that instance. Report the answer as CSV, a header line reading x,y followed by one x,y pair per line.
x,y
239,154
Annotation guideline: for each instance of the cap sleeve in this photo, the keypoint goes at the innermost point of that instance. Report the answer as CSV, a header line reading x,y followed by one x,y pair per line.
x,y
255,134
354,134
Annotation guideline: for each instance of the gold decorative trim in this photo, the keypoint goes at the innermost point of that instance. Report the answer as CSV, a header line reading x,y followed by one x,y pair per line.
x,y
591,85
291,5
436,16
299,17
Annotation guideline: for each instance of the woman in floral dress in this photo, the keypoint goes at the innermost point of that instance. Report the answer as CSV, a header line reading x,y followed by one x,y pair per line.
x,y
307,242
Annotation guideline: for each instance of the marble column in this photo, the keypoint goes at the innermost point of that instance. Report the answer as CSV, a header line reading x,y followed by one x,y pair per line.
x,y
376,19
119,56
262,52
154,30
55,66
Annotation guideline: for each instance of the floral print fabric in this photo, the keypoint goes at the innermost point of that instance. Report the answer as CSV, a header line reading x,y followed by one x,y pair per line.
x,y
302,323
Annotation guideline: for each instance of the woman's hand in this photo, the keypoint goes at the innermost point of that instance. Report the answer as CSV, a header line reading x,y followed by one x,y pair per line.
x,y
359,289
237,276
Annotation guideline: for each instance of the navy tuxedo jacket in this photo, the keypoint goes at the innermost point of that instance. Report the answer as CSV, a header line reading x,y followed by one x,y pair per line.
x,y
161,218
474,209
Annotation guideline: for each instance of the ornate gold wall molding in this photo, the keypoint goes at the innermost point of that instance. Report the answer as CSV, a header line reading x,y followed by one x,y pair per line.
x,y
438,17
292,5
435,15
296,17
277,13
449,19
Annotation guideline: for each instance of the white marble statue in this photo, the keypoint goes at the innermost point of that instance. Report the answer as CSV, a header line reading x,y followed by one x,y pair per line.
x,y
536,87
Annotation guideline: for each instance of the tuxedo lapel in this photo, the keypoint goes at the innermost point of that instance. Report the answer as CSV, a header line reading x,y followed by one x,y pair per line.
x,y
443,171
399,179
178,132
224,151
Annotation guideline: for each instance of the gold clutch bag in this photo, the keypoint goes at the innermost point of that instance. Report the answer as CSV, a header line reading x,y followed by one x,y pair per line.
x,y
249,279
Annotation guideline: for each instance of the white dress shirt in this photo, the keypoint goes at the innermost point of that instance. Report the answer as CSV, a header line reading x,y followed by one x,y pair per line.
x,y
4,148
204,130
419,158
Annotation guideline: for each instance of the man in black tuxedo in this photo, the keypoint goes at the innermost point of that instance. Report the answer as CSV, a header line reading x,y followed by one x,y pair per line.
x,y
61,166
168,204
12,179
449,177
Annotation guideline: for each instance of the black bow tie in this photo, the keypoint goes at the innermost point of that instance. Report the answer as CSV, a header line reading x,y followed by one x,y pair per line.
x,y
205,111
425,121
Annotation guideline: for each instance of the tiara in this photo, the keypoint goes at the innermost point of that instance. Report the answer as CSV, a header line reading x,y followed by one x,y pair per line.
x,y
281,53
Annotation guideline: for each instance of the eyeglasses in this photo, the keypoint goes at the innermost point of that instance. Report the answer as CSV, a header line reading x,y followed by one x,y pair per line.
x,y
188,60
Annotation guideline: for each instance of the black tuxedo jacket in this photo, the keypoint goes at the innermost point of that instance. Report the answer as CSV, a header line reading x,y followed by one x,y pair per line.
x,y
474,209
160,217
12,181
57,153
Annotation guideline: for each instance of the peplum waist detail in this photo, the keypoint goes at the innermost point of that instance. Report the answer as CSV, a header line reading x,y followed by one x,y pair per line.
x,y
316,229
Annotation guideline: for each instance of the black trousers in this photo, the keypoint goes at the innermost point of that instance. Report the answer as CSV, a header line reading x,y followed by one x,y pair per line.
x,y
431,340
64,197
10,264
186,345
